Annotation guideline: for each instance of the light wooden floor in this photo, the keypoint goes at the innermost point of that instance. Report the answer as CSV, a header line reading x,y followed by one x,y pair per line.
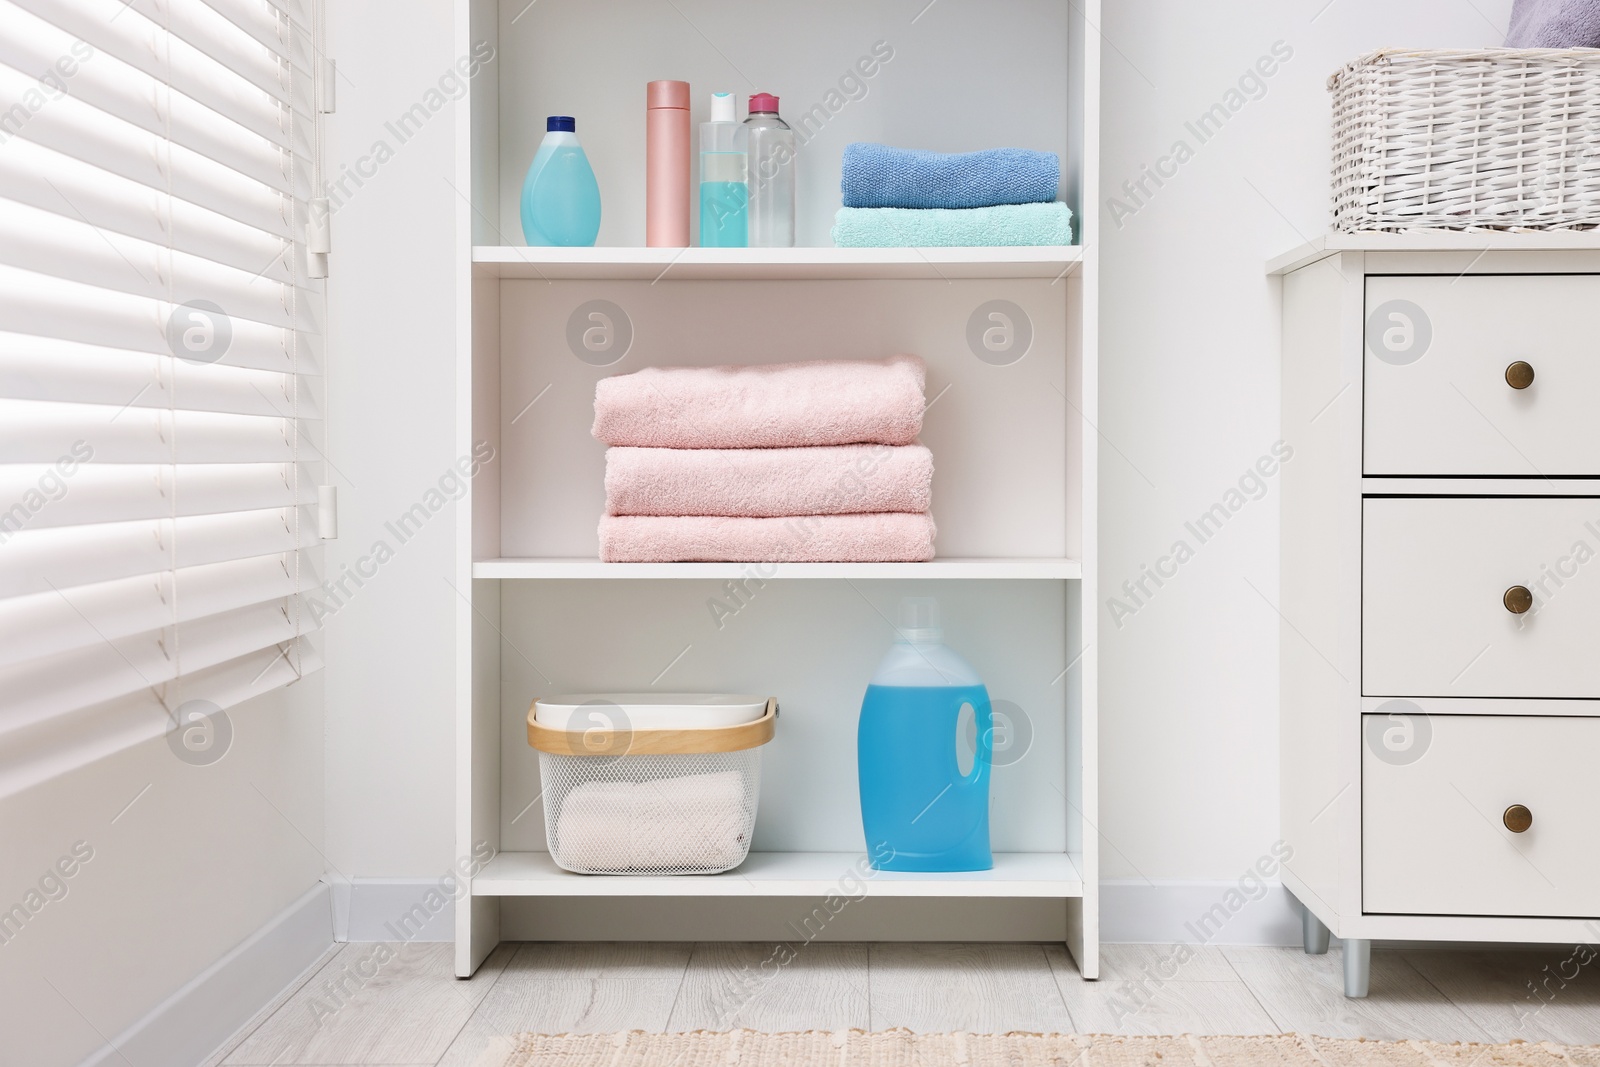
x,y
398,1004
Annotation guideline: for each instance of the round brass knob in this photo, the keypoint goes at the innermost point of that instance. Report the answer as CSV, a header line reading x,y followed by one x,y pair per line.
x,y
1517,599
1519,375
1517,819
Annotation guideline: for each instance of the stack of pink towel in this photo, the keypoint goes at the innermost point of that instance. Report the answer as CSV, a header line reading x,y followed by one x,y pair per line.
x,y
792,462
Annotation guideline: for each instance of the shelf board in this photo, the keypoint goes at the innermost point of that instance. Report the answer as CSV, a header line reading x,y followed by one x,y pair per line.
x,y
1330,244
1058,569
785,874
776,264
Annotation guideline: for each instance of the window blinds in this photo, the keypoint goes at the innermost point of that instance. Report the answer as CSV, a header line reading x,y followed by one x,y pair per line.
x,y
159,367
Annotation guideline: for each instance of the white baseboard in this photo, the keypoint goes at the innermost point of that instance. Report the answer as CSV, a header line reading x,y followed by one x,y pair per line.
x,y
192,1023
1131,912
1195,913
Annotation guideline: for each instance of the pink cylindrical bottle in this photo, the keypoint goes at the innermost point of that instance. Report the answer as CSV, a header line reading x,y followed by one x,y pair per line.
x,y
666,165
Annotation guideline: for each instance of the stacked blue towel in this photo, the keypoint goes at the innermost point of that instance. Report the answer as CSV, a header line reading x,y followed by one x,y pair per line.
x,y
897,198
875,175
937,227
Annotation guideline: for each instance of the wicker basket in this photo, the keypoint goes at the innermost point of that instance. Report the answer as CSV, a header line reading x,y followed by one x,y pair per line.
x,y
1497,139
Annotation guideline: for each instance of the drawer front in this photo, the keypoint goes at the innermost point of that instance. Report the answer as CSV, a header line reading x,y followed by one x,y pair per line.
x,y
1435,839
1436,355
1435,572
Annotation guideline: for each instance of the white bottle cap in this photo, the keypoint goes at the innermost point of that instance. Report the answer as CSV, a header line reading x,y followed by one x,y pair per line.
x,y
919,620
722,107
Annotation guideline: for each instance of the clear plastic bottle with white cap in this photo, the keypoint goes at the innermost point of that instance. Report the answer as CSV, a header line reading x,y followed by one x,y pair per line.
x,y
724,195
921,809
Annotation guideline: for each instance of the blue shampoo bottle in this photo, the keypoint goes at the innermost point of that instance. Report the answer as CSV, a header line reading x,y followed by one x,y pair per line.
x,y
921,808
560,198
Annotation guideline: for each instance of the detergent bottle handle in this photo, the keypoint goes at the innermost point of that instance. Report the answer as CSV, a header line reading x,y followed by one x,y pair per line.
x,y
983,749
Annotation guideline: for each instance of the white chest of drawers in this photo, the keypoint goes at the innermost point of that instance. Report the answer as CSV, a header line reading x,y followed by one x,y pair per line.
x,y
1440,589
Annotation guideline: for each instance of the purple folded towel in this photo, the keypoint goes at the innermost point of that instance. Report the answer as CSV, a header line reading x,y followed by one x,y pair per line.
x,y
1554,24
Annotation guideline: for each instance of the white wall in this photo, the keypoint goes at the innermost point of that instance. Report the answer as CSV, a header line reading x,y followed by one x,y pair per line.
x,y
185,863
1189,400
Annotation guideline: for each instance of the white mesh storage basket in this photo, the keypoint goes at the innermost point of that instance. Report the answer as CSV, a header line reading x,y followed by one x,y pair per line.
x,y
1498,138
650,801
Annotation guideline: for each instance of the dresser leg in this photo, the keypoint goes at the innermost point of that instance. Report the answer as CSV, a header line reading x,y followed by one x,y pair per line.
x,y
1316,935
1357,966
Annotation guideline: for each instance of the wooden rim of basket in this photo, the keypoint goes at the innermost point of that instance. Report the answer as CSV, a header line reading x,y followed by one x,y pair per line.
x,y
613,743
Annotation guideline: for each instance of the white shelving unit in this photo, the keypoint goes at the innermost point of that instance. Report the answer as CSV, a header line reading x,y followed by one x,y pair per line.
x,y
1059,569
773,264
1013,441
786,874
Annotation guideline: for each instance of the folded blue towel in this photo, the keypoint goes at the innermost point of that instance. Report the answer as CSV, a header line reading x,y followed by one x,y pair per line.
x,y
977,227
875,175
1554,24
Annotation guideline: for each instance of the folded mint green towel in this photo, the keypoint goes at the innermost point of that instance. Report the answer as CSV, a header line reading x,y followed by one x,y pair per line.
x,y
970,227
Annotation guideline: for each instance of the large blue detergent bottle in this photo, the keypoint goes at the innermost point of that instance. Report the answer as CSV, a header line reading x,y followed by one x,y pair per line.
x,y
925,787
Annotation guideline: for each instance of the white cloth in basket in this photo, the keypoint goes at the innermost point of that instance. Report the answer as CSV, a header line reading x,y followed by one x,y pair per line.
x,y
692,823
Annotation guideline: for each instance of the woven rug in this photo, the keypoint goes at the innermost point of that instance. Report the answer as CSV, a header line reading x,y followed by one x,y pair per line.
x,y
901,1048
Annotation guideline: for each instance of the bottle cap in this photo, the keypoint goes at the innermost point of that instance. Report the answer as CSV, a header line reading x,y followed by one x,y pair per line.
x,y
764,102
722,108
562,123
919,620
668,94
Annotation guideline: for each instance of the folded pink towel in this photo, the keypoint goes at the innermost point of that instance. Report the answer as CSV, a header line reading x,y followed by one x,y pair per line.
x,y
826,480
881,538
781,405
